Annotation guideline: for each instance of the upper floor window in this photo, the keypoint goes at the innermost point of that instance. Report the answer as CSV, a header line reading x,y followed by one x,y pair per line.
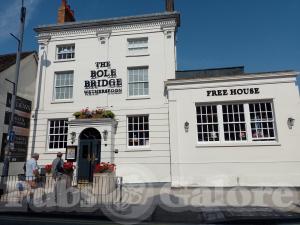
x,y
63,86
58,133
65,52
236,122
138,84
137,46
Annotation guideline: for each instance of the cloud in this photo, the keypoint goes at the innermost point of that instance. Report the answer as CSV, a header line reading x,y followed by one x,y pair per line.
x,y
10,16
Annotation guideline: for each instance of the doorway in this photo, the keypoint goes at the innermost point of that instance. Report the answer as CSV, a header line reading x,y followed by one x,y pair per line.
x,y
89,153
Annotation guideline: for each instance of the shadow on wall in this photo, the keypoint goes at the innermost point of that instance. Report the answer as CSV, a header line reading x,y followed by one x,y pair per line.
x,y
298,83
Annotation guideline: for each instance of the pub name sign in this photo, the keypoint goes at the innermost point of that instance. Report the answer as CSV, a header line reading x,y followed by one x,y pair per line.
x,y
103,80
234,91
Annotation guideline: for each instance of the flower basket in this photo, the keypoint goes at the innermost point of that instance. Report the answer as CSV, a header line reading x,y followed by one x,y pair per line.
x,y
104,179
48,169
94,114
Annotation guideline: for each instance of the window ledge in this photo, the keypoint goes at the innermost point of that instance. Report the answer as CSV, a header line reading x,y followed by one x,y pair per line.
x,y
247,144
62,101
138,149
55,151
138,97
64,60
138,55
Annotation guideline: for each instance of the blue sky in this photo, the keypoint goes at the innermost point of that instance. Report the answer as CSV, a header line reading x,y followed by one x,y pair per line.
x,y
262,35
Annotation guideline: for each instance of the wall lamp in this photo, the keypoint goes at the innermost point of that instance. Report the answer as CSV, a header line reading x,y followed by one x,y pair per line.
x,y
186,126
105,134
73,137
291,122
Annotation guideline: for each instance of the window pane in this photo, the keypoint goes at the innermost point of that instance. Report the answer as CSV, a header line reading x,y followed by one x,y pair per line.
x,y
58,133
138,81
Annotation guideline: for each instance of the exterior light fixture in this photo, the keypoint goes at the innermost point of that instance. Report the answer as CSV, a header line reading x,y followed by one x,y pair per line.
x,y
73,137
105,134
186,126
291,122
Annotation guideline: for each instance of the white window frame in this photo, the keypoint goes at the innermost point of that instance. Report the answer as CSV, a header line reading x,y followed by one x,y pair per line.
x,y
249,139
55,86
59,134
137,82
140,47
146,145
71,51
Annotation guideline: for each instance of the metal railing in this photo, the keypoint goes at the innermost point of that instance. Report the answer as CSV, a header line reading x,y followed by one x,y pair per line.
x,y
102,190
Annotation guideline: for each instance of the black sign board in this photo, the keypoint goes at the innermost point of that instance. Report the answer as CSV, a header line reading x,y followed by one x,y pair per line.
x,y
19,152
22,104
19,121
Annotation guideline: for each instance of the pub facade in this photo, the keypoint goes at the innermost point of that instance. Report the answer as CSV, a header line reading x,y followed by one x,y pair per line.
x,y
159,125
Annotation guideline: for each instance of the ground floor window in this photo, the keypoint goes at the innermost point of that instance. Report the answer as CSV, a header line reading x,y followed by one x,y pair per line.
x,y
58,134
138,130
236,122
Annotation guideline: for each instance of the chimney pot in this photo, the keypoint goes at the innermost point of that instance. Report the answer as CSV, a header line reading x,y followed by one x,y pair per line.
x,y
170,5
65,14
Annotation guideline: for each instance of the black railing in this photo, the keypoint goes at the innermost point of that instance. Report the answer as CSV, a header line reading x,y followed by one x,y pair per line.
x,y
104,189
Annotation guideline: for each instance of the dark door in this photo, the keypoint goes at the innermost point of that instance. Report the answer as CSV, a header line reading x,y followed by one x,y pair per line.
x,y
89,155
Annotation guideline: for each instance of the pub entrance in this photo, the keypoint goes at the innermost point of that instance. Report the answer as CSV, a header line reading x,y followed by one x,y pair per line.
x,y
89,153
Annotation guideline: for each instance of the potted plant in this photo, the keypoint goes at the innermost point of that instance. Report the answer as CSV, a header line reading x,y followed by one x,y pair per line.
x,y
48,169
69,170
104,181
99,113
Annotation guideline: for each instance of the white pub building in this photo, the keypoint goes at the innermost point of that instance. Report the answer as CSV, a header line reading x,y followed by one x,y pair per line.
x,y
218,127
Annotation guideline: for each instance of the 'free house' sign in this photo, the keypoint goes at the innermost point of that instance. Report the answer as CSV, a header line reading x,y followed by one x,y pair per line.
x,y
236,91
103,80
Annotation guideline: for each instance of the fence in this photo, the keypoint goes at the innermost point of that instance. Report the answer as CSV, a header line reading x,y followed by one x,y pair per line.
x,y
102,190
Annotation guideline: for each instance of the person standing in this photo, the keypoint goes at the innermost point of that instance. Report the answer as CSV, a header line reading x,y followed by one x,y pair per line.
x,y
58,167
32,172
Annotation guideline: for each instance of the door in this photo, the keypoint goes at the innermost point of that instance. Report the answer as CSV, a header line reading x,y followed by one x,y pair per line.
x,y
89,155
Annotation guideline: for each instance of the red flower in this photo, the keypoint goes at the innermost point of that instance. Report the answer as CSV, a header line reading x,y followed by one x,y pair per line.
x,y
48,168
68,167
104,167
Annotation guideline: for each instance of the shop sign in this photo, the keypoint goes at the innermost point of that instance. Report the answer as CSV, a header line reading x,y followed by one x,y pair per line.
x,y
103,80
234,91
19,121
22,104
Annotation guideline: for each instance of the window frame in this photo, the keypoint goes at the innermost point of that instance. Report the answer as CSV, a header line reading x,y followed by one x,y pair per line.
x,y
129,83
71,52
136,51
135,147
49,134
249,138
54,99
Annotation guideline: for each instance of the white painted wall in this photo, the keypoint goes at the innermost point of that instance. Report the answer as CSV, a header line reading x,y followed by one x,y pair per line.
x,y
26,89
152,163
250,164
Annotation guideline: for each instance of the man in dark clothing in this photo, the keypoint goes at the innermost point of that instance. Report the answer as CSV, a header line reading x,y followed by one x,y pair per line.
x,y
58,166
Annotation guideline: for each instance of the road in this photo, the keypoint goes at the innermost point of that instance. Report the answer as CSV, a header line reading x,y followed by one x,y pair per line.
x,y
48,220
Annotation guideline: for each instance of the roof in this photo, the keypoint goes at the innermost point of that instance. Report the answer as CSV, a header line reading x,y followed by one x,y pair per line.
x,y
215,72
111,21
217,76
8,60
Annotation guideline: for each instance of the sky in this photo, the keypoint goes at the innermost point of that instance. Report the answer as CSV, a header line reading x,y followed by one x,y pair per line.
x,y
262,35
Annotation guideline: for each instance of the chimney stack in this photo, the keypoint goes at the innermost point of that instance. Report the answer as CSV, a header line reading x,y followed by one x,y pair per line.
x,y
65,14
170,5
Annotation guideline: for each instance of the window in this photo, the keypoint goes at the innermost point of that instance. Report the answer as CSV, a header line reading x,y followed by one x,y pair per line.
x,y
234,122
207,122
262,121
138,84
138,46
65,52
63,86
58,134
138,130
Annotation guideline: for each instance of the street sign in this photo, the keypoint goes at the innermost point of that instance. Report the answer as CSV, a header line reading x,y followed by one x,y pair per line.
x,y
11,137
